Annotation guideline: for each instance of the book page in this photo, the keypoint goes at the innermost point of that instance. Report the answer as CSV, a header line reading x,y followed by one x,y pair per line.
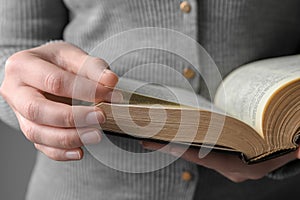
x,y
248,89
166,93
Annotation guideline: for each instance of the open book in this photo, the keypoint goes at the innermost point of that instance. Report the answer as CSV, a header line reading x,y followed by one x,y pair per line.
x,y
256,111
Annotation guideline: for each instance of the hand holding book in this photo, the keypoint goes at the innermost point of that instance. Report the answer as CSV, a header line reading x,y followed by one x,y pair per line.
x,y
260,116
230,166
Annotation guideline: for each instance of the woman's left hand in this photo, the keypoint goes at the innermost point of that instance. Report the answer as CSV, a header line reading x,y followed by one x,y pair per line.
x,y
230,166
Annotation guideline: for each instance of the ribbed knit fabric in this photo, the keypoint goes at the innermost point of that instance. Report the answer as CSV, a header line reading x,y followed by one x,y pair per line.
x,y
23,25
234,32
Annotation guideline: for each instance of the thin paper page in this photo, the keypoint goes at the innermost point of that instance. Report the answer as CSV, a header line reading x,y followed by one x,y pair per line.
x,y
166,93
249,88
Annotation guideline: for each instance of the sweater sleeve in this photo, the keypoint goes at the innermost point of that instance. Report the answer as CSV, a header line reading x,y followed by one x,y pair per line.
x,y
25,24
288,170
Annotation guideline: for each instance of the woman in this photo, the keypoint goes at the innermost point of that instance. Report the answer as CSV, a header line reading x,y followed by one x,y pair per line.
x,y
42,78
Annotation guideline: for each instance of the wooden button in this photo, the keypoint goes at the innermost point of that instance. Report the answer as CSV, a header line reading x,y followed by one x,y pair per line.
x,y
186,176
185,7
188,73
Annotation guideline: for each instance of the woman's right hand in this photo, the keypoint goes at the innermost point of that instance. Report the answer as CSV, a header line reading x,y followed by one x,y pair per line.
x,y
39,84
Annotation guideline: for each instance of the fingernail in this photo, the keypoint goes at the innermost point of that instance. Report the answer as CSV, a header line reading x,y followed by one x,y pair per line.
x,y
72,155
115,97
92,137
109,78
108,71
95,118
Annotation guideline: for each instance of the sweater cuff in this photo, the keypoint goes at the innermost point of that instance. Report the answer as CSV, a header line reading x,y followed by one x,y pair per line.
x,y
290,169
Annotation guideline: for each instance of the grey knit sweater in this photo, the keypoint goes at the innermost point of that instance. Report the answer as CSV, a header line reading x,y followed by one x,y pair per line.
x,y
234,32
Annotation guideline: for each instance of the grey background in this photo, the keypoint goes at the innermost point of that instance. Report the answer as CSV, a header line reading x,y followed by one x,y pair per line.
x,y
17,157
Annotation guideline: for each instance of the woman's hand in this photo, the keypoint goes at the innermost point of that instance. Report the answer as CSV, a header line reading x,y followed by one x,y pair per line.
x,y
229,166
39,84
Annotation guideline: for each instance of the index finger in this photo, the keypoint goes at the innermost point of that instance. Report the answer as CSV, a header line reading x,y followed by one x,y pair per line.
x,y
77,61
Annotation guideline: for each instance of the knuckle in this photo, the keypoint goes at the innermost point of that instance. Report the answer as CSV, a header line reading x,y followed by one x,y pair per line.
x,y
69,118
13,61
67,141
54,83
59,59
31,110
10,66
5,91
38,147
29,132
